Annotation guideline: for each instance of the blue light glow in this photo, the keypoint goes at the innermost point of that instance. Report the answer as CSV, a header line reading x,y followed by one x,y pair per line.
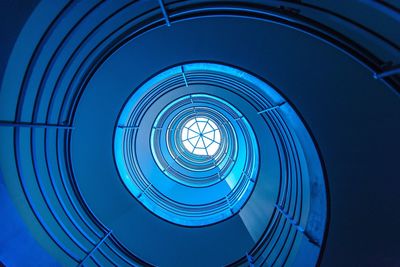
x,y
203,159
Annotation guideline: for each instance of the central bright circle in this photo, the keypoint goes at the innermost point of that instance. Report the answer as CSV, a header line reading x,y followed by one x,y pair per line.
x,y
201,136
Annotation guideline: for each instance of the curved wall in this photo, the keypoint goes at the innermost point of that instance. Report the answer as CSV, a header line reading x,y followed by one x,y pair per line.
x,y
72,71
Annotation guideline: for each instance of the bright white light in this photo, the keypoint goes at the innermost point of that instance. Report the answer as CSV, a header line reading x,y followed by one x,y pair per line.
x,y
201,136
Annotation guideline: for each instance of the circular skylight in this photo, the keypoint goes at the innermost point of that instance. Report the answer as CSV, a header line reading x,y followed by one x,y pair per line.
x,y
201,136
193,141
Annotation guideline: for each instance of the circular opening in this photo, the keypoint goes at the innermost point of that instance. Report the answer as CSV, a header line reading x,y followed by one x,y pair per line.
x,y
202,164
190,156
201,136
193,141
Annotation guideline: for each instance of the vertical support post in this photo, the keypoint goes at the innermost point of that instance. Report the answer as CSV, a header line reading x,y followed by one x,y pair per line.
x,y
393,71
164,12
128,127
250,260
271,108
184,76
298,227
94,249
33,125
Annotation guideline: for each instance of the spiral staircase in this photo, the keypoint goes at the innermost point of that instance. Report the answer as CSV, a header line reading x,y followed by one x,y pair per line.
x,y
199,133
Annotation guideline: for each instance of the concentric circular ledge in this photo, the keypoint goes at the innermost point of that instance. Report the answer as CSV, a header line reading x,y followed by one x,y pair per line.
x,y
187,189
114,248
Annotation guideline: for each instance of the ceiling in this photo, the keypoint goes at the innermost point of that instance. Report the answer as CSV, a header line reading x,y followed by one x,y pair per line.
x,y
331,61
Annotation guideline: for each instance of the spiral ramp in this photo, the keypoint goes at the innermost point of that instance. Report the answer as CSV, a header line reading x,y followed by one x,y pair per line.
x,y
201,133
